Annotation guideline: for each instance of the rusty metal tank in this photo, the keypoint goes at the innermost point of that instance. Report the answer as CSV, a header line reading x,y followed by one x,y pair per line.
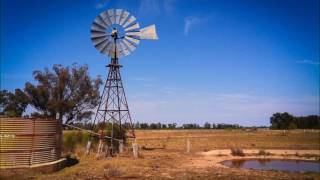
x,y
29,142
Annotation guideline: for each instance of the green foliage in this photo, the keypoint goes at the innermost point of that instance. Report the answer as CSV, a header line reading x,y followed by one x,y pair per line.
x,y
287,121
118,133
207,125
65,91
72,139
12,104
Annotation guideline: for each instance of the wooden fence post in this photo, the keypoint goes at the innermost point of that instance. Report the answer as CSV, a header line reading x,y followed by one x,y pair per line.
x,y
188,145
121,146
135,149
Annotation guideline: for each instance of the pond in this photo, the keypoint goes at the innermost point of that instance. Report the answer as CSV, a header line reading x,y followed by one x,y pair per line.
x,y
275,164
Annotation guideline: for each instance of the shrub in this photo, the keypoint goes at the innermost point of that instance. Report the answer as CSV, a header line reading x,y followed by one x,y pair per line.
x,y
72,139
111,171
262,152
237,152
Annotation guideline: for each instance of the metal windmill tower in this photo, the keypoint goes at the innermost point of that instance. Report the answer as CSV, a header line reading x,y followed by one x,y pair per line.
x,y
115,33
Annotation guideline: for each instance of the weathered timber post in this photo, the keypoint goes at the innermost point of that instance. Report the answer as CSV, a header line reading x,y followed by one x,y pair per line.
x,y
135,149
100,149
121,146
188,145
106,151
88,147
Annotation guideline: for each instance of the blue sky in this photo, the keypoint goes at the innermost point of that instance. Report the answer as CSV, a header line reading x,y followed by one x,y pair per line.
x,y
232,61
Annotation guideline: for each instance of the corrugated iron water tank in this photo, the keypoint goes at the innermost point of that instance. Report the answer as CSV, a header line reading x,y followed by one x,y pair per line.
x,y
29,142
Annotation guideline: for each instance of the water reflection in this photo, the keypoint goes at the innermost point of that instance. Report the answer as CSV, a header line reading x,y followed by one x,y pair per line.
x,y
273,164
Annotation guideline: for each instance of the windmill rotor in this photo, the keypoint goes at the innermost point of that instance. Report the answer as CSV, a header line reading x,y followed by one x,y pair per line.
x,y
116,33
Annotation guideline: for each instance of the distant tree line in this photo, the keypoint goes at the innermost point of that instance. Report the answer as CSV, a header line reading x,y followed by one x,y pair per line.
x,y
185,126
288,121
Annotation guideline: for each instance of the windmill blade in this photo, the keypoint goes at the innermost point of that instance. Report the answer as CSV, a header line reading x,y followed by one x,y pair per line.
x,y
97,27
102,45
132,27
105,18
130,46
112,16
119,50
118,15
97,34
149,32
132,40
107,48
98,41
123,17
125,49
100,22
129,21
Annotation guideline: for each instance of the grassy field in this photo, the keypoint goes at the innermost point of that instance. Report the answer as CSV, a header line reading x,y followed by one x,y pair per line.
x,y
204,140
163,155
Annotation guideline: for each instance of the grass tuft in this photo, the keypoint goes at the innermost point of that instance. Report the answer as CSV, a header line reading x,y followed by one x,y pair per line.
x,y
111,171
237,152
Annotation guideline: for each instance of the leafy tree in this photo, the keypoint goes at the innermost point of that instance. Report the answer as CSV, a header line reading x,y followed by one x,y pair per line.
x,y
287,121
13,104
137,125
144,125
281,120
153,126
191,126
214,126
172,126
207,125
68,92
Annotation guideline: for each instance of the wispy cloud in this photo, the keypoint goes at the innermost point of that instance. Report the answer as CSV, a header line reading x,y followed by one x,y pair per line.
x,y
168,5
316,63
149,7
191,21
156,7
102,4
145,79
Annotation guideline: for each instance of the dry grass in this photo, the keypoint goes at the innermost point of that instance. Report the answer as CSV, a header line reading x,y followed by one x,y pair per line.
x,y
203,140
166,157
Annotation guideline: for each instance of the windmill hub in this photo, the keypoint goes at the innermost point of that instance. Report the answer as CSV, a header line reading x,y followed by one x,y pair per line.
x,y
114,33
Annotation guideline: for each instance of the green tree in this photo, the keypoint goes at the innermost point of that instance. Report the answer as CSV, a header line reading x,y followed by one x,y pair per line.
x,y
281,120
68,92
207,125
13,104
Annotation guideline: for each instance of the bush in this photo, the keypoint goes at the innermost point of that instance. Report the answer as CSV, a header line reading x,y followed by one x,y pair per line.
x,y
72,139
237,152
111,171
262,152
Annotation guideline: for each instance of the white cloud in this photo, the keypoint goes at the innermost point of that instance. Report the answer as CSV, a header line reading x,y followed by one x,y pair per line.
x,y
101,4
191,21
149,7
156,7
168,5
316,63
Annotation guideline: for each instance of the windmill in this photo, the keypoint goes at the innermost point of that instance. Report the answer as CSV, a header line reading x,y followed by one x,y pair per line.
x,y
116,33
